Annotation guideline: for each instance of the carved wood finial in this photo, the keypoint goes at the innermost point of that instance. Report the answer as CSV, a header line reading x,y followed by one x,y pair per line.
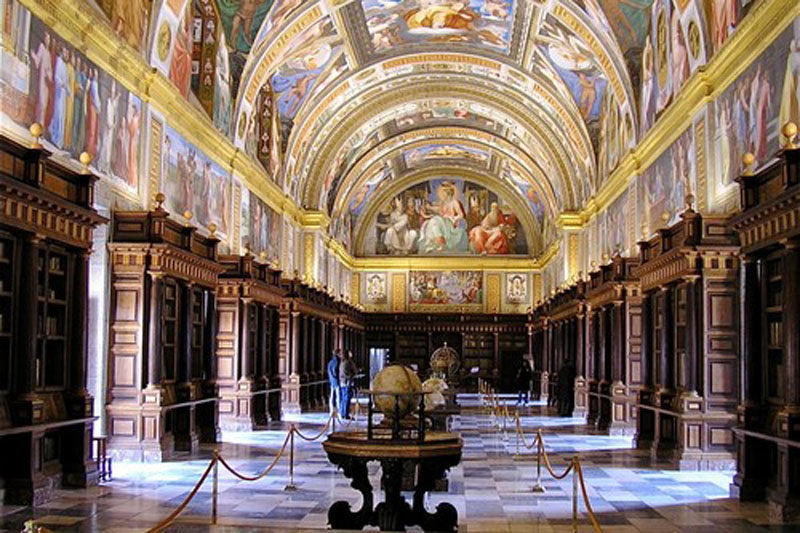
x,y
789,131
160,199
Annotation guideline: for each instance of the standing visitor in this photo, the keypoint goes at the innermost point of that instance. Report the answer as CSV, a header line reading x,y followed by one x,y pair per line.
x,y
347,374
566,389
333,380
523,382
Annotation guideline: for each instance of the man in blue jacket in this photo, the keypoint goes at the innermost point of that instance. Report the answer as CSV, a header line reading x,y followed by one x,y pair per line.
x,y
333,379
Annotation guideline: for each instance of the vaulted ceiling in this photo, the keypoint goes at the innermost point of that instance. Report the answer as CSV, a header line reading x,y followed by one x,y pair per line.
x,y
536,98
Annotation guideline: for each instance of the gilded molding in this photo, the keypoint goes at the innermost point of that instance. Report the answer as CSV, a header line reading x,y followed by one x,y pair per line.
x,y
759,29
90,33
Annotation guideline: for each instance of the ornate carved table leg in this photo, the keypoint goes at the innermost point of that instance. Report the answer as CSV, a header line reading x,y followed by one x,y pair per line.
x,y
446,517
340,516
394,513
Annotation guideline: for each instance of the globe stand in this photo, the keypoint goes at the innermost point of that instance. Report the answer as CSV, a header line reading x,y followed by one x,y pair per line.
x,y
400,441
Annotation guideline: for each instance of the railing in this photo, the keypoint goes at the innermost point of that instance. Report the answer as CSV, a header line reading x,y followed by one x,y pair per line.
x,y
763,436
45,426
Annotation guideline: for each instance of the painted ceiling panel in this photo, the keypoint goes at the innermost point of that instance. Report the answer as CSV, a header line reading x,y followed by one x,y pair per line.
x,y
330,95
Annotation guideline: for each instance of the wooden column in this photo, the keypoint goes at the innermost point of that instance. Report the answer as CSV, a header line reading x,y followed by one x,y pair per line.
x,y
791,332
691,369
751,479
30,408
154,331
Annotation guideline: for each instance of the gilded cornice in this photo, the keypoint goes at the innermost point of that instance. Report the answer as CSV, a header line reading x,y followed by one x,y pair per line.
x,y
759,29
89,32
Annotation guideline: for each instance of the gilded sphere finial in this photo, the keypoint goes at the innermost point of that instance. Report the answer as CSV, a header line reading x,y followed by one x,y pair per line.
x,y
187,215
644,231
36,131
665,216
263,255
789,131
212,229
160,199
85,159
748,160
689,201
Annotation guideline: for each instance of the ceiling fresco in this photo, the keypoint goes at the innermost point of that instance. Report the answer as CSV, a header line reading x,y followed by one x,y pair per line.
x,y
342,100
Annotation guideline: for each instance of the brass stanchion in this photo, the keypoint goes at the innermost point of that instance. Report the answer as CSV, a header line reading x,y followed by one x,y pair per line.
x,y
574,493
538,488
215,487
291,487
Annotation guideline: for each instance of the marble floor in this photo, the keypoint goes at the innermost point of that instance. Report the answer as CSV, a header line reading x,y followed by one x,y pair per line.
x,y
491,490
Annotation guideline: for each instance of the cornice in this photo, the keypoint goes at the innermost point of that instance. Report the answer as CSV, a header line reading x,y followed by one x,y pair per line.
x,y
90,33
760,28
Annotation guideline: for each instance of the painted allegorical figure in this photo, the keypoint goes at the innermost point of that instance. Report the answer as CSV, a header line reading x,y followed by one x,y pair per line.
x,y
62,92
790,95
445,225
399,237
491,236
43,61
180,69
723,21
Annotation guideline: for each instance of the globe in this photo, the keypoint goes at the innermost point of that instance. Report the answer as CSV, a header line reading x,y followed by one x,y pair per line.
x,y
434,386
396,379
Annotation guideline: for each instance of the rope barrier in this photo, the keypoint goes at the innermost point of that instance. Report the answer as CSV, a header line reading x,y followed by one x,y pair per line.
x,y
318,435
266,471
573,466
218,459
171,518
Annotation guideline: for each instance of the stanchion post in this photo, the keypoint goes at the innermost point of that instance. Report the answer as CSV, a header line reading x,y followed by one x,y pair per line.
x,y
291,487
215,488
575,493
538,488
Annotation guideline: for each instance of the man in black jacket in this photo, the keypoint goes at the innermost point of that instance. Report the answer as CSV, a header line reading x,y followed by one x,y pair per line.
x,y
523,382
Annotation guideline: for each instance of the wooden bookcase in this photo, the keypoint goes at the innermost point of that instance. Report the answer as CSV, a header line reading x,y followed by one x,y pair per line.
x,y
249,296
688,274
614,319
311,324
162,376
46,227
769,409
479,340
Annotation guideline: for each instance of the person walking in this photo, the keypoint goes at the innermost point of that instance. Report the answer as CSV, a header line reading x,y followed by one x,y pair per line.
x,y
333,379
347,374
523,382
